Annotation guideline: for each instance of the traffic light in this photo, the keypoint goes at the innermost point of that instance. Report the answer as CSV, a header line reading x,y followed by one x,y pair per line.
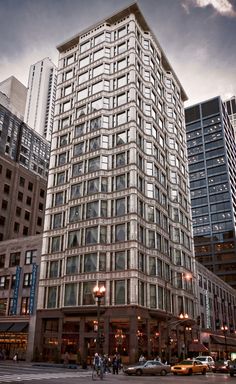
x,y
199,320
169,340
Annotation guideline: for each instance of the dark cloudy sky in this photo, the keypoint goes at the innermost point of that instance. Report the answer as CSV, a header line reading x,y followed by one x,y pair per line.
x,y
198,37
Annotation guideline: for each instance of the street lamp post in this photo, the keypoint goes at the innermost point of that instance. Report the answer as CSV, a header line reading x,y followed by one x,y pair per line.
x,y
224,329
99,293
186,277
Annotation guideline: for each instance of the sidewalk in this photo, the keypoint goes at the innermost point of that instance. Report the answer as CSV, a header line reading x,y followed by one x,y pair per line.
x,y
11,363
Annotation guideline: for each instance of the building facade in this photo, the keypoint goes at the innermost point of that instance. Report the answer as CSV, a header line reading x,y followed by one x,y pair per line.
x,y
217,310
13,96
19,272
211,156
118,209
24,161
41,95
230,106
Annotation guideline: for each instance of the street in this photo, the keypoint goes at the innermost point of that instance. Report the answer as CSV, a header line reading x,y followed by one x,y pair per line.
x,y
22,372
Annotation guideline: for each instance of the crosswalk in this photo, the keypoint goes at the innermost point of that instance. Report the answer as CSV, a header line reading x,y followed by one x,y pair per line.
x,y
41,376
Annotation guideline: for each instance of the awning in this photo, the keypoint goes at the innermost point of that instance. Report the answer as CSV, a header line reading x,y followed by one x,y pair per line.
x,y
197,347
221,340
5,326
18,327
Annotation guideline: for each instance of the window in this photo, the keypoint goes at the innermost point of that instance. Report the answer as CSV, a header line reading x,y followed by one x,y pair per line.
x,y
93,186
75,214
83,77
77,169
72,265
95,123
122,118
20,196
90,262
27,215
2,260
120,207
14,259
98,54
30,186
94,164
55,244
27,280
120,232
83,62
8,174
88,297
92,210
120,182
120,159
91,236
97,87
67,90
16,227
63,140
3,307
57,219
28,200
82,94
53,270
25,231
22,181
60,178
98,70
25,305
74,239
120,292
2,221
52,296
96,105
79,149
30,256
76,190
80,130
94,143
85,46
120,261
62,158
70,60
7,189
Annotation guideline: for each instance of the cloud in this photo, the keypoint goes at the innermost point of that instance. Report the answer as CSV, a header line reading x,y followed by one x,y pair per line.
x,y
223,7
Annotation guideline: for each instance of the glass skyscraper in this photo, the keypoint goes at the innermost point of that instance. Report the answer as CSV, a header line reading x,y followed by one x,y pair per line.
x,y
211,156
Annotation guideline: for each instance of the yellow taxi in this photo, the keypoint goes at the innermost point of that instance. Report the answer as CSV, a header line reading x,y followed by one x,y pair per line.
x,y
189,367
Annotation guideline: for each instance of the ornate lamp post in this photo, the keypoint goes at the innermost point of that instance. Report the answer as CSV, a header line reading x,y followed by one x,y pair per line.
x,y
186,277
224,329
99,293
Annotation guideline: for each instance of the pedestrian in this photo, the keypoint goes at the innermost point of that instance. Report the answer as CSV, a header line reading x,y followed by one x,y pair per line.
x,y
15,358
115,365
141,359
66,359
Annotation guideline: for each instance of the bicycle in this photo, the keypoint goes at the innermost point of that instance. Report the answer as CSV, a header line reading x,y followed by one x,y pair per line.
x,y
97,372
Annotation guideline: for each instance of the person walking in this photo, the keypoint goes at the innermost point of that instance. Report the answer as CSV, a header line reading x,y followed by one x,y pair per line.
x,y
115,365
15,358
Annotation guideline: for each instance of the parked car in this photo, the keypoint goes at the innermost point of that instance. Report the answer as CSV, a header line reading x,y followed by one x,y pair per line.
x,y
232,367
189,367
221,366
150,367
206,360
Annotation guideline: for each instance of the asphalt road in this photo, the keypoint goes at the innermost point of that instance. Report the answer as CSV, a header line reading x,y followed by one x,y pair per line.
x,y
27,373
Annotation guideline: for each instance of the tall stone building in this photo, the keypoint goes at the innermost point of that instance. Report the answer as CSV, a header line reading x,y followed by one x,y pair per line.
x,y
118,211
212,159
41,95
13,96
